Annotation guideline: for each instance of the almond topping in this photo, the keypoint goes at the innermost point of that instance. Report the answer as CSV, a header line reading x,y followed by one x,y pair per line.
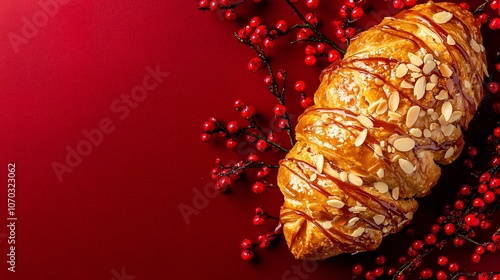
x,y
393,116
449,152
404,144
406,166
467,84
443,95
357,209
378,219
352,221
427,133
409,215
430,86
394,101
475,46
358,232
428,57
381,173
381,187
419,89
412,115
445,70
450,41
442,17
365,121
327,224
415,60
447,110
401,70
320,161
434,78
434,126
378,151
413,68
382,107
355,180
313,177
395,193
417,132
335,203
343,176
448,130
485,70
405,84
429,66
455,116
361,138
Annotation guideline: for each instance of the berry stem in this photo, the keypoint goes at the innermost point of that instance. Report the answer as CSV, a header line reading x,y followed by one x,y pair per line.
x,y
481,7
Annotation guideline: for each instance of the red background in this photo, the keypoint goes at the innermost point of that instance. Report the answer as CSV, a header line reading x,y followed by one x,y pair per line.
x,y
119,208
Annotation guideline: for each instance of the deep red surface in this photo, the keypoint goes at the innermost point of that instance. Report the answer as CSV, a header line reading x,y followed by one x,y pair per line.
x,y
117,212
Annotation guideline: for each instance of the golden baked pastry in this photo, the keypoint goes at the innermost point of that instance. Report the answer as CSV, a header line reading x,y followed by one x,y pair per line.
x,y
384,118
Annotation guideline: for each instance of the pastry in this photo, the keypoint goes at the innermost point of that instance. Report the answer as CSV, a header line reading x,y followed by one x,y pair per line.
x,y
385,117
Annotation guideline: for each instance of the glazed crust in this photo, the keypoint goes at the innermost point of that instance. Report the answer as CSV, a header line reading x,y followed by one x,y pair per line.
x,y
385,117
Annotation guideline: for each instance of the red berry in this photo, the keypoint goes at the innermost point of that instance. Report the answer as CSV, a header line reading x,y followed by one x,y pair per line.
x,y
492,87
480,250
253,158
310,50
350,32
418,245
496,132
306,102
482,188
453,267
248,112
494,183
246,244
430,239
312,19
268,80
282,26
471,151
282,124
230,15
213,5
333,55
300,86
312,4
279,110
357,269
379,271
465,190
489,197
269,43
495,161
231,143
205,137
247,255
441,275
310,60
494,4
258,187
369,275
442,260
255,64
435,228
204,4
261,145
483,18
465,6
380,260
410,3
340,33
458,242
426,273
471,220
343,12
495,24
259,220
476,257
459,204
357,13
398,4
478,203
232,127
497,67
321,48
208,126
261,30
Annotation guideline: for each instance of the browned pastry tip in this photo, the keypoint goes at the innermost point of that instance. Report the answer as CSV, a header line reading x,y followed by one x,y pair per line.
x,y
384,117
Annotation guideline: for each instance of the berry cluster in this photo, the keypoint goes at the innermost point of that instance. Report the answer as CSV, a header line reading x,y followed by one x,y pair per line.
x,y
493,22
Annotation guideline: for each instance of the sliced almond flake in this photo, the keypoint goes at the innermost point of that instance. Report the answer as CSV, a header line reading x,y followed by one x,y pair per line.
x,y
434,126
393,116
382,107
422,113
409,215
357,209
419,89
436,53
445,70
395,193
475,46
406,84
413,68
427,133
442,17
373,106
429,66
365,121
430,111
327,224
412,115
417,132
386,229
430,86
416,75
415,60
402,224
381,187
320,161
378,82
313,177
442,121
447,110
358,232
434,78
378,150
482,47
382,143
442,95
394,101
355,180
335,203
404,144
406,166
352,221
434,116
428,57
361,138
343,176
449,152
467,84
450,41
485,70
401,70
393,137
448,130
381,173
455,116
378,219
